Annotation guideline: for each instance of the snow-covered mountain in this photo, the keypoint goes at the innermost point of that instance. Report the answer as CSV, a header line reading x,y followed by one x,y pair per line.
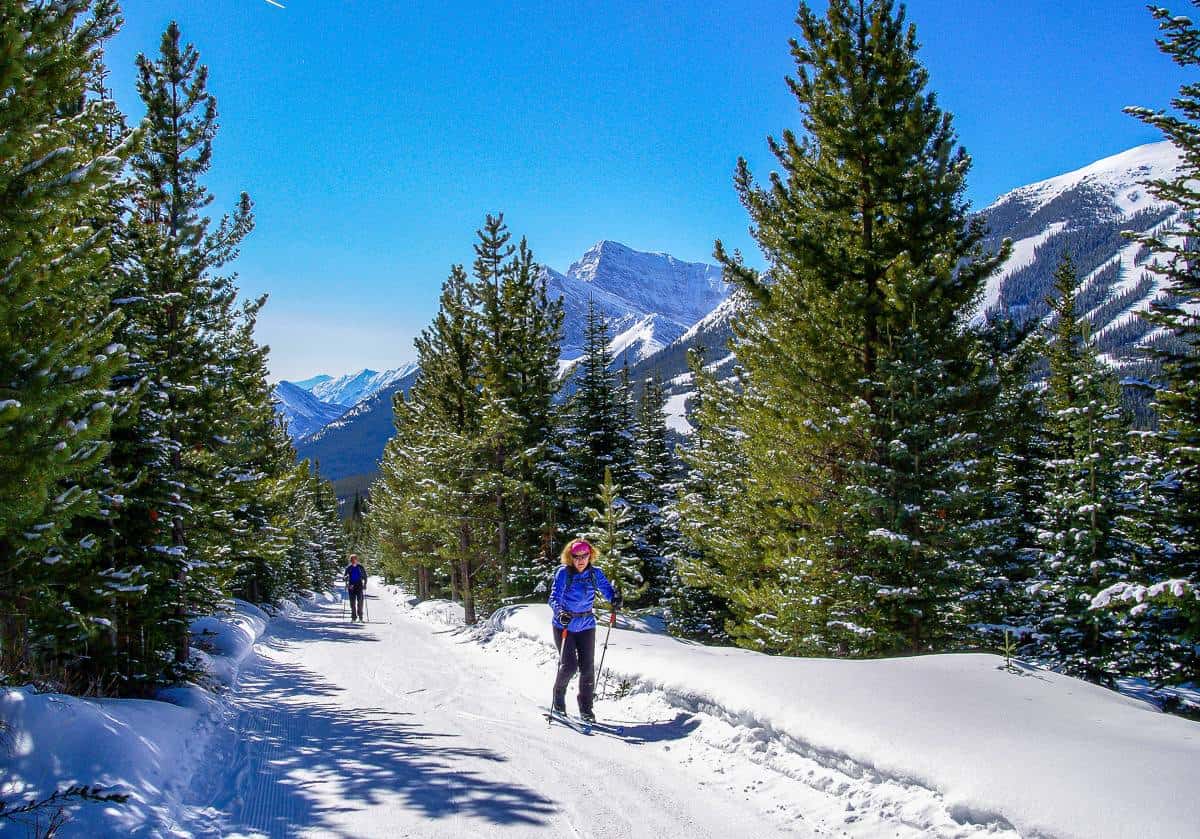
x,y
1085,212
353,443
303,412
310,383
649,299
352,388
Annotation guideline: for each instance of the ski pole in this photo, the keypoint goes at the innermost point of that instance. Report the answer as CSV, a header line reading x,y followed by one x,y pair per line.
x,y
561,648
344,596
612,618
367,605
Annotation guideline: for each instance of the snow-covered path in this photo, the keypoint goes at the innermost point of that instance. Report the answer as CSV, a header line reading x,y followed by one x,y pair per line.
x,y
397,728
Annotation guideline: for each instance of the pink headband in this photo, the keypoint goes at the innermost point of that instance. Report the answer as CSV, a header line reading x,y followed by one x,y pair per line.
x,y
580,548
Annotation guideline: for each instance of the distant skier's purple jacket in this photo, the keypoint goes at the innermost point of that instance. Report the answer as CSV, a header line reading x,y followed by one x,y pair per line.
x,y
576,592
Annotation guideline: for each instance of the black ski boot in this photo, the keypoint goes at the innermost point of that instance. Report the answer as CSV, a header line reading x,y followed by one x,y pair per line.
x,y
587,715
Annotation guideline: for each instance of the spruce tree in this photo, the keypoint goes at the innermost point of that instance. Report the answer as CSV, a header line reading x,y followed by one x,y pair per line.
x,y
1000,603
717,564
178,314
867,392
654,485
255,456
1172,571
518,327
429,499
61,149
1084,548
593,436
611,519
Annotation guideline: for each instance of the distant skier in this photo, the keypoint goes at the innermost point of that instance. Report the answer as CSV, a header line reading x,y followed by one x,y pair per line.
x,y
572,598
356,586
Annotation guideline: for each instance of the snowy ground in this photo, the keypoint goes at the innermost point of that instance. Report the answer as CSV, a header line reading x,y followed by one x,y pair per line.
x,y
412,725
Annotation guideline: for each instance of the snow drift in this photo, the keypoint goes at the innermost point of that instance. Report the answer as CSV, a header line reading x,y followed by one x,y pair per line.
x,y
146,748
1044,753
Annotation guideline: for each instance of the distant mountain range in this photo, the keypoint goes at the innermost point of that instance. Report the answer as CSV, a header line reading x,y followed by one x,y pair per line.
x,y
303,412
352,388
659,307
353,443
622,283
312,404
648,299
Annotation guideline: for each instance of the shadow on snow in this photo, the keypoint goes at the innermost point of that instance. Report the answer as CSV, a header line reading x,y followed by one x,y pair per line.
x,y
299,761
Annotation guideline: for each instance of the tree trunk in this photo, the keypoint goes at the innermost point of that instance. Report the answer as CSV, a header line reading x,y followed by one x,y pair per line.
x,y
183,641
464,552
502,544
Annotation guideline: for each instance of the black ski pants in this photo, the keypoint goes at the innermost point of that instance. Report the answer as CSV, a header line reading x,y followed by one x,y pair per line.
x,y
578,652
356,600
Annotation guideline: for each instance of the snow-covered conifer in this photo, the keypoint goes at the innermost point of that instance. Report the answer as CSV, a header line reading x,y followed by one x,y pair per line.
x,y
1083,538
61,150
866,388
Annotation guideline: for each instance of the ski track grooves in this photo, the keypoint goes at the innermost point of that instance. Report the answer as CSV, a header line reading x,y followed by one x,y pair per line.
x,y
392,728
899,801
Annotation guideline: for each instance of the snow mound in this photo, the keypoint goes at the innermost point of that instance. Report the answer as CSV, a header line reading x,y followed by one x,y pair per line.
x,y
146,748
1019,748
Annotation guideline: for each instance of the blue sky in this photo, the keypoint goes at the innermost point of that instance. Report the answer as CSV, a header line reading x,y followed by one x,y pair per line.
x,y
374,136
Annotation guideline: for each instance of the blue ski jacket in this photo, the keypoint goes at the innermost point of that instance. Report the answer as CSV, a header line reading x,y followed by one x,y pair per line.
x,y
575,591
355,575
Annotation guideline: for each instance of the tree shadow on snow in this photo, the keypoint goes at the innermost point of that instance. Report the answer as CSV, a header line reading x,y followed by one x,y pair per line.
x,y
300,762
320,622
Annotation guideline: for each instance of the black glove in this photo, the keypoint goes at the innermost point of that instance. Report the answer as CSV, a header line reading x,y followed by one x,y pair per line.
x,y
617,600
561,617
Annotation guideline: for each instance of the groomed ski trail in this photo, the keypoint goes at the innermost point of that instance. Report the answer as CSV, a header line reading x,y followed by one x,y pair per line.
x,y
396,728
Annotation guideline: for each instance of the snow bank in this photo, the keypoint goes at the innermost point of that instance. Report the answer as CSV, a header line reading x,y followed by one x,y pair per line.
x,y
143,747
1044,753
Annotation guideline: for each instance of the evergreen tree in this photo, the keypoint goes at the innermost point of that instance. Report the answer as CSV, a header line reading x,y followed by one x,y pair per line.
x,y
1172,571
429,499
518,327
595,432
716,560
655,483
609,532
61,149
1001,602
166,539
867,392
1084,548
499,419
317,552
355,524
255,456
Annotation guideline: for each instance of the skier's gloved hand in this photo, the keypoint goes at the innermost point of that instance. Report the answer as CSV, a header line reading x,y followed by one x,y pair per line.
x,y
617,600
561,617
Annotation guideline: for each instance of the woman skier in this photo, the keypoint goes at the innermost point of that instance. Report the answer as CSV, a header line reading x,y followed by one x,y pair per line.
x,y
572,599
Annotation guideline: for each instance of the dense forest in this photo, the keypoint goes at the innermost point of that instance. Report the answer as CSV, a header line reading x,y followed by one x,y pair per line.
x,y
876,473
144,478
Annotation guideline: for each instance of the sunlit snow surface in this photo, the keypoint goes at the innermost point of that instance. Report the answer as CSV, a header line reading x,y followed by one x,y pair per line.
x,y
412,724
